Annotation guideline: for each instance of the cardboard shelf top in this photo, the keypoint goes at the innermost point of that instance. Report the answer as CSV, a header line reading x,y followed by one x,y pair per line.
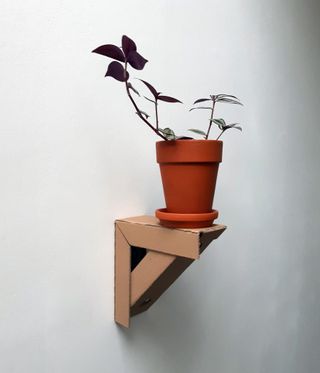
x,y
148,220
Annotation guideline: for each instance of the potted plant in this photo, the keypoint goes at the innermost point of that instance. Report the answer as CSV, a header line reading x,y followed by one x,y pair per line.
x,y
188,166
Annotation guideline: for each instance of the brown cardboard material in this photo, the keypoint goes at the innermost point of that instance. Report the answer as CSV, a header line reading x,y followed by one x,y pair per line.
x,y
122,279
169,253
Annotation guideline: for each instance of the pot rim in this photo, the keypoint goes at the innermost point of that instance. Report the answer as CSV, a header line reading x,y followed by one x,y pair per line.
x,y
186,151
189,141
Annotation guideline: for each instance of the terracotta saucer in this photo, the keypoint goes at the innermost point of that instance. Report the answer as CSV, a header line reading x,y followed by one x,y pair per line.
x,y
174,220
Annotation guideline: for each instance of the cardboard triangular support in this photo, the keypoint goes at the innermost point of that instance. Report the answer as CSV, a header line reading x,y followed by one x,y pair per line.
x,y
169,253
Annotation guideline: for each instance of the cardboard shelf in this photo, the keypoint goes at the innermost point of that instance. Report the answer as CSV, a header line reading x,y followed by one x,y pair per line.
x,y
149,258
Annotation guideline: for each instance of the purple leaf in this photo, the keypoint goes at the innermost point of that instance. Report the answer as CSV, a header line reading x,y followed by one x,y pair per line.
x,y
128,45
110,50
140,112
168,99
201,107
149,99
130,86
229,101
202,100
116,71
222,95
168,133
234,125
199,132
220,122
151,88
136,60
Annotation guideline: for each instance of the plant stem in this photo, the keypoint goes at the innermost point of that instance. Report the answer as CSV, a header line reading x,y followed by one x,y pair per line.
x,y
157,116
220,135
138,110
211,118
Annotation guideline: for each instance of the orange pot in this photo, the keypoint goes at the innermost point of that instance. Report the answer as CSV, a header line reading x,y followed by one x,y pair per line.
x,y
189,171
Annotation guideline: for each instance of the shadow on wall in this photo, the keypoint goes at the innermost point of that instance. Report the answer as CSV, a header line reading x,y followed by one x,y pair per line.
x,y
179,333
169,331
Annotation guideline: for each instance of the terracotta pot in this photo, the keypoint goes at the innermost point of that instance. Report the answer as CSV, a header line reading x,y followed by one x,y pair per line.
x,y
189,171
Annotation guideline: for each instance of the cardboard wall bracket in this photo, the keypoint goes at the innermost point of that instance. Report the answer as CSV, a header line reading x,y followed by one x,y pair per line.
x,y
149,258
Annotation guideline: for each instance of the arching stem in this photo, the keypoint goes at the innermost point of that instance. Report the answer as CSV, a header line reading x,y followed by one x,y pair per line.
x,y
220,135
157,115
211,118
138,110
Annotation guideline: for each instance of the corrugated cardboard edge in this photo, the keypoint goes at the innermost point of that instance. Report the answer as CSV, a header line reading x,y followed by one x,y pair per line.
x,y
152,220
180,242
122,279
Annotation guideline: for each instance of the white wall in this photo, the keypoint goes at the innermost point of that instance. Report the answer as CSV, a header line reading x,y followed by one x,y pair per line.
x,y
74,157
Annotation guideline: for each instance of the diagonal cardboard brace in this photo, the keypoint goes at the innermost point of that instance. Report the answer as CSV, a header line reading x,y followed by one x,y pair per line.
x,y
165,254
